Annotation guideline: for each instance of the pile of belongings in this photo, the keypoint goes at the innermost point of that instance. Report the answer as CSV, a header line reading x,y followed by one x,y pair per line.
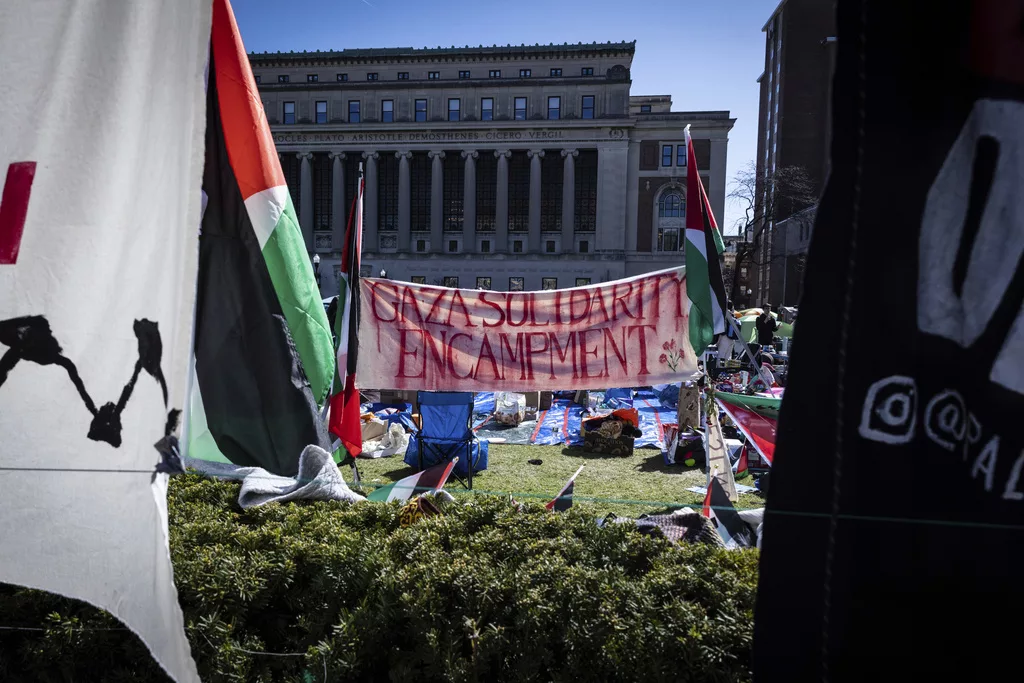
x,y
385,428
394,441
683,446
682,526
690,526
621,422
509,408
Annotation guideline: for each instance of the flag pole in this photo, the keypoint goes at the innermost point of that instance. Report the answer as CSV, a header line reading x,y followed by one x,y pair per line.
x,y
746,347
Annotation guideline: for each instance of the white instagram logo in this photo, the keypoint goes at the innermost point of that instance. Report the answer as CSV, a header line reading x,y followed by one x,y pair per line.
x,y
890,410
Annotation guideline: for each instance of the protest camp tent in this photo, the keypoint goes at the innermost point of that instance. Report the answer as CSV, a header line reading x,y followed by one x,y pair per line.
x,y
748,327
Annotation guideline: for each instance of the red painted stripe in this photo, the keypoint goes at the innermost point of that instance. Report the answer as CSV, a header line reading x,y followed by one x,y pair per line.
x,y
540,421
246,132
14,209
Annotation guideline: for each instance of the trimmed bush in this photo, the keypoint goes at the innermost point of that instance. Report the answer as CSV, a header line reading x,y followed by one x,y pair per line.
x,y
484,593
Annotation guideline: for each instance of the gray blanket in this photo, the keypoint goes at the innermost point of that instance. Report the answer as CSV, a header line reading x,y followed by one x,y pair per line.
x,y
318,479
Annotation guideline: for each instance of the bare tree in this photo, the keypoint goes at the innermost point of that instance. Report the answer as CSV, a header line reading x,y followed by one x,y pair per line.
x,y
766,197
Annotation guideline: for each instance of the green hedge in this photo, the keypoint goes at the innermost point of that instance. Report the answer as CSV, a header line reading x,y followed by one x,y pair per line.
x,y
484,593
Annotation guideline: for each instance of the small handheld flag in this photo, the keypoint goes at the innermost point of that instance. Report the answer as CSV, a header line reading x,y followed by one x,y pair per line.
x,y
563,501
430,479
718,508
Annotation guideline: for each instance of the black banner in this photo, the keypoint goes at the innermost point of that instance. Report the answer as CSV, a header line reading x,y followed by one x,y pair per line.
x,y
894,539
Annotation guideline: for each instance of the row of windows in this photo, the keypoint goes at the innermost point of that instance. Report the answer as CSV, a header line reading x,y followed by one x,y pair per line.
x,y
680,155
515,284
550,246
520,109
431,75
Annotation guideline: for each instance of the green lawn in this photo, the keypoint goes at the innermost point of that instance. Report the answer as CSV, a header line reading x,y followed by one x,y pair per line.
x,y
626,486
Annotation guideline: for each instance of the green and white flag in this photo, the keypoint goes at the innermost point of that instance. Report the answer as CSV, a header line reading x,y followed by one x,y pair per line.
x,y
704,247
264,356
430,479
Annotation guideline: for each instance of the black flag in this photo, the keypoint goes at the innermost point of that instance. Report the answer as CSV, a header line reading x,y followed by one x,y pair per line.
x,y
893,543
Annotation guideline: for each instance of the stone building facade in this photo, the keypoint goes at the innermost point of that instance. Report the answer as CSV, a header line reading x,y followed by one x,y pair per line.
x,y
503,168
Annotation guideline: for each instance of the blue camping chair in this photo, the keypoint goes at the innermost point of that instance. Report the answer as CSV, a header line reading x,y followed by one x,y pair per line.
x,y
446,432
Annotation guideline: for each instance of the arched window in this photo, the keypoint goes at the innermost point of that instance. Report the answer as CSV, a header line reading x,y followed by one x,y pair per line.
x,y
670,221
672,205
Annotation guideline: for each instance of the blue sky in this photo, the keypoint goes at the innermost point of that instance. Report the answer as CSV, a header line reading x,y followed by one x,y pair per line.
x,y
707,55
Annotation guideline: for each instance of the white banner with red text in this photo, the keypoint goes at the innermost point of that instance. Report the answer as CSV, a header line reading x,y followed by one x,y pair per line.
x,y
625,333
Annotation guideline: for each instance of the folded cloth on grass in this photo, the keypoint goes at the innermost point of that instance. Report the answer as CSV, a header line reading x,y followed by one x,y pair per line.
x,y
318,479
393,442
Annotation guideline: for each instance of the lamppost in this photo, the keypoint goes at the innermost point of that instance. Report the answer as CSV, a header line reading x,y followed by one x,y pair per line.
x,y
316,268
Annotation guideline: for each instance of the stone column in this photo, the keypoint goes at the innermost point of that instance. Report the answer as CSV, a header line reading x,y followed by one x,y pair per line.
x,y
404,202
436,201
338,204
501,202
370,241
569,200
632,195
469,201
533,225
611,197
716,178
306,199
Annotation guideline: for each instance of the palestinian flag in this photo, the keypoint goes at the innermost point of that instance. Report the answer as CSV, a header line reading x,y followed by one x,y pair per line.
x,y
742,467
719,509
430,479
704,246
766,406
758,429
344,421
563,501
264,357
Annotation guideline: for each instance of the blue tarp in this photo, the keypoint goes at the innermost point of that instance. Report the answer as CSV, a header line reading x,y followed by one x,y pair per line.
x,y
392,412
653,414
618,398
668,394
560,424
483,403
